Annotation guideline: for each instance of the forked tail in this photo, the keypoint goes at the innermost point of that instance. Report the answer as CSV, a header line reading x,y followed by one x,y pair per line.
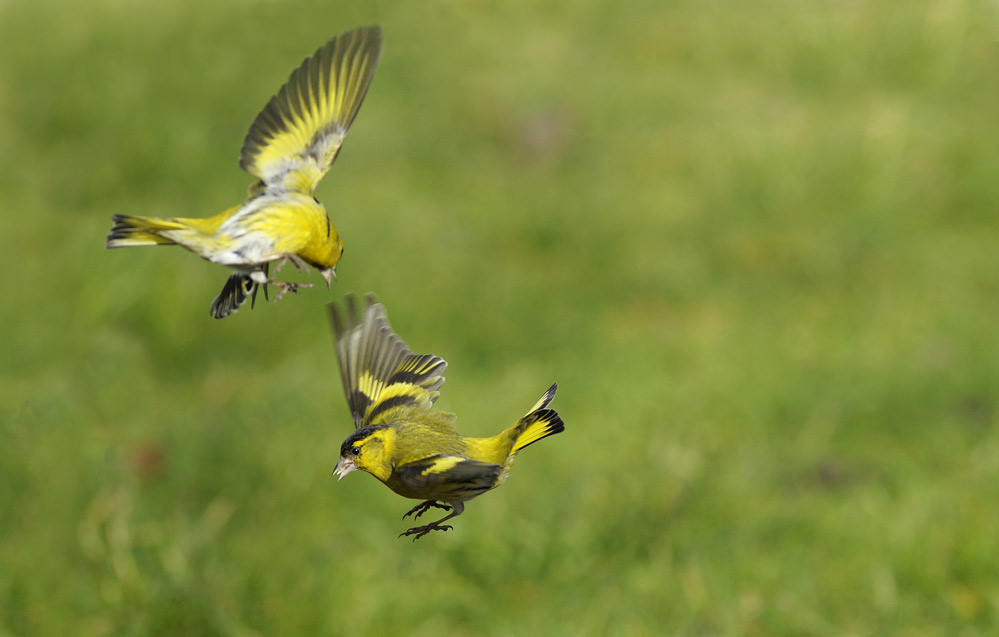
x,y
539,423
140,231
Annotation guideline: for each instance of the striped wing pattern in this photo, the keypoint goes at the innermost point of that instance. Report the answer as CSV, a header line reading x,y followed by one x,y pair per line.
x,y
295,139
379,371
449,477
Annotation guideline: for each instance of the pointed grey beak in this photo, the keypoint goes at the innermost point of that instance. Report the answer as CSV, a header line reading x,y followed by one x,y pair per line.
x,y
343,467
329,276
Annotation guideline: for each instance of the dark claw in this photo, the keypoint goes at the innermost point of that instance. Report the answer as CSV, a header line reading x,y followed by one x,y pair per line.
x,y
420,531
425,506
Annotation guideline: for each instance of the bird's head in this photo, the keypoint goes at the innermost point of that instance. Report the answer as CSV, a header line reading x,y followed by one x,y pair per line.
x,y
324,252
367,449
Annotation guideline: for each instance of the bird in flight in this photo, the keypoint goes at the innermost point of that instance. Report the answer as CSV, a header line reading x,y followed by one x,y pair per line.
x,y
400,439
290,146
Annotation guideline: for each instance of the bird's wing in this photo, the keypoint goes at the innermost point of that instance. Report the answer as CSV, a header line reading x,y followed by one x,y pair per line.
x,y
449,476
380,373
295,139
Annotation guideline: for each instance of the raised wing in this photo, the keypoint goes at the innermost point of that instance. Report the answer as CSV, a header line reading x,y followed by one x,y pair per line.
x,y
449,477
380,373
295,139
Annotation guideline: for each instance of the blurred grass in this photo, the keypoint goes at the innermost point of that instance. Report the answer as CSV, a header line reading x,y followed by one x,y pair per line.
x,y
755,243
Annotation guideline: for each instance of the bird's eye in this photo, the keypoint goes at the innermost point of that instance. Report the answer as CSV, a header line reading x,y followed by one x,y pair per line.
x,y
356,451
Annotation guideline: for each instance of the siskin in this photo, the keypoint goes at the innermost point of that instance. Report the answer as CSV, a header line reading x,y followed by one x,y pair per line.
x,y
290,146
400,439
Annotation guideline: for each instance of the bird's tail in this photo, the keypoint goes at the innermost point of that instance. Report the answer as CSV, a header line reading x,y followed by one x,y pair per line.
x,y
140,231
539,423
234,293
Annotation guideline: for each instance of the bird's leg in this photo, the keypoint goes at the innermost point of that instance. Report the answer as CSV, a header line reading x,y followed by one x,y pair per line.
x,y
256,288
425,506
285,286
419,531
295,260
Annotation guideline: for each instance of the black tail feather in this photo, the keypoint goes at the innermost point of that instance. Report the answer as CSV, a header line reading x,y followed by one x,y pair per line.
x,y
234,293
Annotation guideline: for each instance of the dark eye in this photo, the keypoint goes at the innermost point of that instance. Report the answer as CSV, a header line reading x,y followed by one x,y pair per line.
x,y
356,451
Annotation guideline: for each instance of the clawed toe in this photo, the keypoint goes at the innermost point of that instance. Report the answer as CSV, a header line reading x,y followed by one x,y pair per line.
x,y
425,506
285,287
419,531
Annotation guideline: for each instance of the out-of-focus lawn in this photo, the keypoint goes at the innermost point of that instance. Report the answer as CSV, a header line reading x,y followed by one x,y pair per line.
x,y
755,243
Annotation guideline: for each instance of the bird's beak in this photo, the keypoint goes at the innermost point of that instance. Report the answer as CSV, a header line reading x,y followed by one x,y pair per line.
x,y
343,467
329,276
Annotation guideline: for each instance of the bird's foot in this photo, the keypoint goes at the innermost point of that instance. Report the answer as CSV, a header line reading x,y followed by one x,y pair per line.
x,y
286,286
423,507
419,531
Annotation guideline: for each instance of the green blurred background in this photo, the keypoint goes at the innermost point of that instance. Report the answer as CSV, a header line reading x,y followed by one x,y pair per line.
x,y
754,242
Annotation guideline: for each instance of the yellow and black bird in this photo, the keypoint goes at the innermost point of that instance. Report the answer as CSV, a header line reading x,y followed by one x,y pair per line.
x,y
399,438
289,148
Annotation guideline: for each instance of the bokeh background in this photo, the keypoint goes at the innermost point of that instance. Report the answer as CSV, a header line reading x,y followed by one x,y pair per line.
x,y
755,243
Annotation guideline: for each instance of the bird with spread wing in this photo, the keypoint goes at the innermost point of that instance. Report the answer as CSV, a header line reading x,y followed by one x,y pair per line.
x,y
290,146
399,438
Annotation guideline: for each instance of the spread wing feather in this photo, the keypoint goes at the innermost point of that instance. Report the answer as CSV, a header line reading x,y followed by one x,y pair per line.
x,y
380,373
295,139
